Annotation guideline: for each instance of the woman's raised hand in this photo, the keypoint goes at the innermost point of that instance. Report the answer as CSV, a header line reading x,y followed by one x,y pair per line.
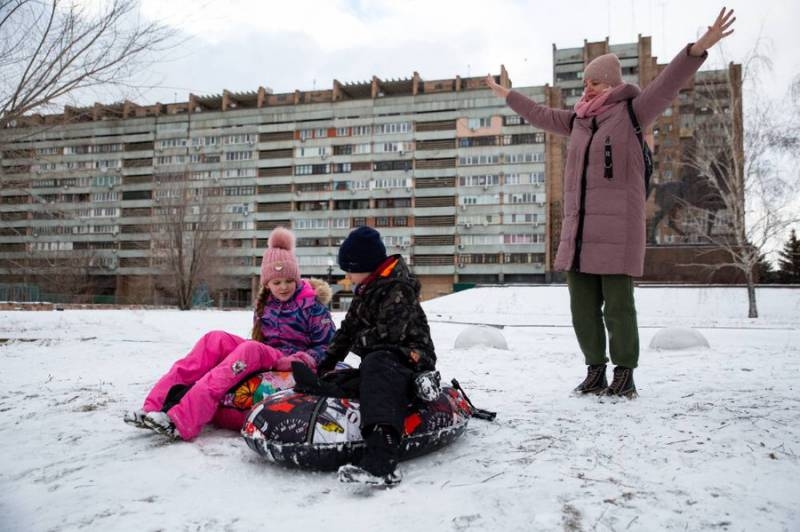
x,y
497,89
715,33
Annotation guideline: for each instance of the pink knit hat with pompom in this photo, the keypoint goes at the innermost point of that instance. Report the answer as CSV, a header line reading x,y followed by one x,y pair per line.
x,y
279,261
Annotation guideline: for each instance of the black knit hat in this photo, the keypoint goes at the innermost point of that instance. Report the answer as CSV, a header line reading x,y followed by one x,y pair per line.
x,y
362,251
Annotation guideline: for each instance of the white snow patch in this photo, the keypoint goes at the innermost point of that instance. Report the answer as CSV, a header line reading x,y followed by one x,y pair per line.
x,y
481,335
710,444
678,338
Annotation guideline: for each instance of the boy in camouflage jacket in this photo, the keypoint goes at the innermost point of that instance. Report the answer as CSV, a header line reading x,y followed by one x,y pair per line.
x,y
385,326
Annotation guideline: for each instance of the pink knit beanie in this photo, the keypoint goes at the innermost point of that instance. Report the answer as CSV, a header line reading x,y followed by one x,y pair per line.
x,y
279,261
604,68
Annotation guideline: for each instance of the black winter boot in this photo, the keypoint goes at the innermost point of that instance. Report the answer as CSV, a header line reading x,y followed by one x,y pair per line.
x,y
378,466
622,385
595,381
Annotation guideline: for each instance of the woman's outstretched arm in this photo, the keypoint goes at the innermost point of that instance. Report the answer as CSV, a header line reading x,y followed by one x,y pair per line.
x,y
541,116
720,29
659,93
497,89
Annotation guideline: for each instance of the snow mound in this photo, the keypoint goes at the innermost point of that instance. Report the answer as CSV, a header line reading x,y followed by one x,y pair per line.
x,y
678,338
481,335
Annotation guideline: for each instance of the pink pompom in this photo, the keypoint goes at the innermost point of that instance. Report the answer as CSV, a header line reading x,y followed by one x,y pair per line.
x,y
281,238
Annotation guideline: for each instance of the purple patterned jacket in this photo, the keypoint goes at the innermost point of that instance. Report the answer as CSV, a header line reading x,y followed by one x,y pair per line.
x,y
301,324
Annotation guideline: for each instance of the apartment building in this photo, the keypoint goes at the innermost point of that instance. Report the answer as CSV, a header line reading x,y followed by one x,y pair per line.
x,y
455,182
709,108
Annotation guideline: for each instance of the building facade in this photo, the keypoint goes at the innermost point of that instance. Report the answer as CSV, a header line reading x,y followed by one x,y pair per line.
x,y
455,182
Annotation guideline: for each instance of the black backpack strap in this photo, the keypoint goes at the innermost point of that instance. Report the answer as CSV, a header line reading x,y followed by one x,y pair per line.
x,y
572,121
636,128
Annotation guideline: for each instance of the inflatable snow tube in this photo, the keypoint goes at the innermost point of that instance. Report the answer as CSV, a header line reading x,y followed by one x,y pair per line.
x,y
323,433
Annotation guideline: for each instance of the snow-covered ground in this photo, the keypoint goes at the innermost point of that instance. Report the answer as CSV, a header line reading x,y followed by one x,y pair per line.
x,y
712,443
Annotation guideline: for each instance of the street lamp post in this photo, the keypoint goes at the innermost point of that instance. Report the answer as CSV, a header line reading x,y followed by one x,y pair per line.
x,y
330,270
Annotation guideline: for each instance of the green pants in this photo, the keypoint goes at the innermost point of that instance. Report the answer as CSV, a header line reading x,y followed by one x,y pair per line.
x,y
594,299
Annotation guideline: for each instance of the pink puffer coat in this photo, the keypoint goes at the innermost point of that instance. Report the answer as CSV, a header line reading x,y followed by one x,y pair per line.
x,y
603,230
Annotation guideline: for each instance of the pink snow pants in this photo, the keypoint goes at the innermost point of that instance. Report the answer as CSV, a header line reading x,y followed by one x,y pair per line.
x,y
215,364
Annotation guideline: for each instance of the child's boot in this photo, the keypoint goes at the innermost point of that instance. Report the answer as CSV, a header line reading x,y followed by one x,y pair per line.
x,y
378,466
161,423
135,418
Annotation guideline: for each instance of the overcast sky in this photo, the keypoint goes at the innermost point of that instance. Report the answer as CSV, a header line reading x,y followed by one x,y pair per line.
x,y
304,44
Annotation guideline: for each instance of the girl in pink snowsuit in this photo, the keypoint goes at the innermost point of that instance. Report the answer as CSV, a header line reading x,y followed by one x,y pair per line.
x,y
291,324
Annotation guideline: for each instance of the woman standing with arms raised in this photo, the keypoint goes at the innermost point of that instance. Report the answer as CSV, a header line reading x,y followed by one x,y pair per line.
x,y
602,241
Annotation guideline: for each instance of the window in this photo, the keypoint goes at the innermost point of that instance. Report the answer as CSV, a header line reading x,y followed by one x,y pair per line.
x,y
312,223
388,147
343,149
359,184
482,199
393,127
481,240
238,155
239,172
470,142
475,160
523,197
479,180
391,182
525,238
517,158
242,138
478,123
105,196
525,218
382,166
239,191
312,151
108,163
171,143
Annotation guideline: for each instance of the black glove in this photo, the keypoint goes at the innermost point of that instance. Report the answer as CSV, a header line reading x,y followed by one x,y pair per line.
x,y
327,365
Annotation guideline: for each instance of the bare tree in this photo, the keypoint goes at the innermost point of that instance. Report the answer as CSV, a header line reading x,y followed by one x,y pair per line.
x,y
746,168
186,240
51,50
